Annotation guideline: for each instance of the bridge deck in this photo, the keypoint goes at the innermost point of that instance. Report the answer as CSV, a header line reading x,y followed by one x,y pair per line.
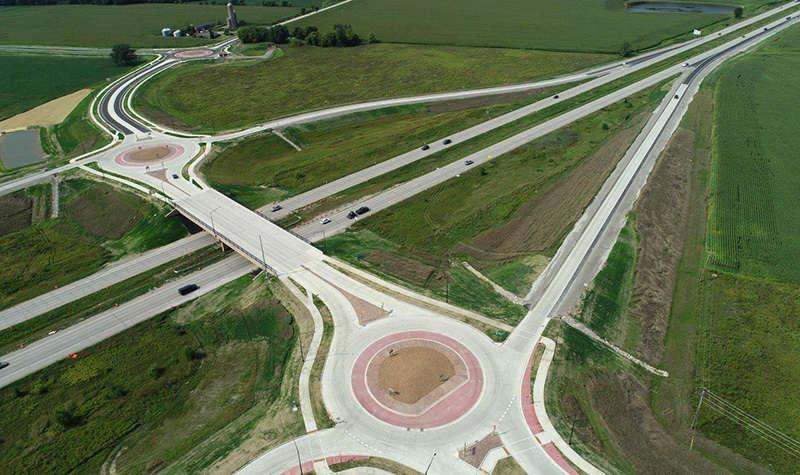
x,y
241,228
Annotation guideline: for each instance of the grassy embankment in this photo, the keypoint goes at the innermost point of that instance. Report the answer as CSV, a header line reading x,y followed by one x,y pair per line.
x,y
97,224
519,205
206,373
707,291
301,80
580,25
106,25
264,168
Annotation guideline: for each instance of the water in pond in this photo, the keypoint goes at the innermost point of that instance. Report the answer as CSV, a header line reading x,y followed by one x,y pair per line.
x,y
669,7
18,149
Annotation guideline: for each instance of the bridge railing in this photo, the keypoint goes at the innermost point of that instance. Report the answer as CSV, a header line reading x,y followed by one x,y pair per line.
x,y
285,229
230,242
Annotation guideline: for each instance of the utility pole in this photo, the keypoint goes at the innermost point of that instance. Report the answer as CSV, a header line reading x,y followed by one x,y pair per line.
x,y
431,463
263,259
211,214
696,416
572,429
299,461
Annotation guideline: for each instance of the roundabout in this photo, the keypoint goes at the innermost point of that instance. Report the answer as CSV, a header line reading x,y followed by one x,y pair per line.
x,y
417,379
146,155
194,54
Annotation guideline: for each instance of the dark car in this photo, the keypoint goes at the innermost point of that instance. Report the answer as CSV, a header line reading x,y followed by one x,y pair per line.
x,y
3,364
351,215
175,176
555,97
426,147
188,289
362,210
447,141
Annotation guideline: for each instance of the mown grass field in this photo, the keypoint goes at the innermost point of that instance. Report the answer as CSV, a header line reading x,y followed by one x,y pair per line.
x,y
263,168
574,25
106,25
32,80
303,79
97,223
159,389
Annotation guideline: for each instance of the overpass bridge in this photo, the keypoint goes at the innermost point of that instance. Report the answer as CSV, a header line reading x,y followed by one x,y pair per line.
x,y
264,243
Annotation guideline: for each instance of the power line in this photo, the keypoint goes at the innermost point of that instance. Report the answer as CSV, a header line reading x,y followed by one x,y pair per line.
x,y
750,422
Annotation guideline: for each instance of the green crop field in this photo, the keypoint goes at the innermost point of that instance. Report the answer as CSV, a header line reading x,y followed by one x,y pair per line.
x,y
571,25
159,389
747,307
106,25
97,223
32,80
244,93
754,214
264,168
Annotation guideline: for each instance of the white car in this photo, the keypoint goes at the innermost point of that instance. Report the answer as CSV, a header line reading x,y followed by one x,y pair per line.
x,y
326,220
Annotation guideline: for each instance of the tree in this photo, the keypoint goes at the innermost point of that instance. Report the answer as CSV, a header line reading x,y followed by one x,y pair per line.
x,y
123,55
327,39
372,38
188,30
252,34
313,38
738,12
67,416
625,49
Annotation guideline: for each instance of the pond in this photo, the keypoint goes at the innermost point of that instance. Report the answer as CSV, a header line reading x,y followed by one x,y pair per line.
x,y
674,7
18,149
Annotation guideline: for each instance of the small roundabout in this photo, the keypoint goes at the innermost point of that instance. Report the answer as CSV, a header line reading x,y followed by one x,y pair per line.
x,y
194,54
146,155
417,379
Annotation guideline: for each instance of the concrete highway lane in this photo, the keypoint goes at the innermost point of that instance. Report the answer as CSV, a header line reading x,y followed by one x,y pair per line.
x,y
106,277
96,329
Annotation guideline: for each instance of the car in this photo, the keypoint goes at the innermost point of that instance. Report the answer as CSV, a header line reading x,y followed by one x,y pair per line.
x,y
766,29
351,215
677,96
4,364
685,65
276,208
72,356
362,210
174,176
447,142
53,332
468,162
188,289
426,147
788,18
326,220
555,97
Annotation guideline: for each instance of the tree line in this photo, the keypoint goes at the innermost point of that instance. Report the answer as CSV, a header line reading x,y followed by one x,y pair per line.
x,y
341,36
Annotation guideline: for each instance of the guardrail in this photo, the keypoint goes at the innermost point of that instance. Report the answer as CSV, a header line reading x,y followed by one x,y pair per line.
x,y
225,239
285,229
